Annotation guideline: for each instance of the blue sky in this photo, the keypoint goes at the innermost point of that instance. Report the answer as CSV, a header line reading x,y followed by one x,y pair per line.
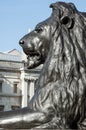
x,y
18,16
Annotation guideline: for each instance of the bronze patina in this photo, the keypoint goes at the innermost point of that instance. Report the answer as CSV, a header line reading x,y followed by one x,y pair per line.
x,y
60,98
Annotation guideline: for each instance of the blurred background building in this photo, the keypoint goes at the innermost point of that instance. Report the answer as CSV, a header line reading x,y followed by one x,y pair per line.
x,y
16,81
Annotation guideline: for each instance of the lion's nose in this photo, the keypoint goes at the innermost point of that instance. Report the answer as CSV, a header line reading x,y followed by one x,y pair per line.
x,y
21,42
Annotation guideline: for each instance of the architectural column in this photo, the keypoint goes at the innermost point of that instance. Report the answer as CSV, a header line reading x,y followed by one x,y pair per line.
x,y
31,89
24,88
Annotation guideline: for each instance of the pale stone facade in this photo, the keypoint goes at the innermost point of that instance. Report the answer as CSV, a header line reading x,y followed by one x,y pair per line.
x,y
16,82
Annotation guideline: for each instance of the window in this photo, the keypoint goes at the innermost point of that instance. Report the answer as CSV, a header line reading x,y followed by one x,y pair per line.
x,y
1,107
0,86
35,84
15,88
15,107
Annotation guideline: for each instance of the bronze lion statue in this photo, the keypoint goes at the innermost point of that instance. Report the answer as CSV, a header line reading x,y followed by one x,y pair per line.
x,y
59,102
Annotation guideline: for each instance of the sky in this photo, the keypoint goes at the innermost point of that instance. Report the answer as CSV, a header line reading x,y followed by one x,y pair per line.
x,y
18,17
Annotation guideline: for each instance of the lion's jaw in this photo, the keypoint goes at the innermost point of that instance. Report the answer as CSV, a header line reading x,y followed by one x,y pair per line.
x,y
33,55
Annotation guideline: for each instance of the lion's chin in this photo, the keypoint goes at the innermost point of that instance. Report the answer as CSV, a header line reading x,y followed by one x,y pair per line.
x,y
33,61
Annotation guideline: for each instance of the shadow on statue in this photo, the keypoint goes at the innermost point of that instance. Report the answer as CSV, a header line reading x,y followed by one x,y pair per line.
x,y
59,102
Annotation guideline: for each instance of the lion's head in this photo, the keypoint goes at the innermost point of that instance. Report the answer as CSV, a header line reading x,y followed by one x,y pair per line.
x,y
36,44
60,42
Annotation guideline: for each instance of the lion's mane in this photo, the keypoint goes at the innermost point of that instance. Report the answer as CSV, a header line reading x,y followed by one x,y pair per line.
x,y
66,62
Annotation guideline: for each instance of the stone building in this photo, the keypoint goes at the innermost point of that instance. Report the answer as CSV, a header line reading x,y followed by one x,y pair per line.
x,y
16,82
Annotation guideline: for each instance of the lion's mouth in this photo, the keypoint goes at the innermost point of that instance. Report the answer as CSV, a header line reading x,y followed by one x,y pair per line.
x,y
33,54
34,59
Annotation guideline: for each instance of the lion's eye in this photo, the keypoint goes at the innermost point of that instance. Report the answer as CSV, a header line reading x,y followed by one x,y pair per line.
x,y
38,30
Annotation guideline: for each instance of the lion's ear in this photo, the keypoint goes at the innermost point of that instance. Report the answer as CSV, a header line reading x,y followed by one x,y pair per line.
x,y
67,21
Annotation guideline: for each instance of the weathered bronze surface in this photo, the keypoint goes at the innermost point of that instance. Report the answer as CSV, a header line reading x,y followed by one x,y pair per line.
x,y
60,98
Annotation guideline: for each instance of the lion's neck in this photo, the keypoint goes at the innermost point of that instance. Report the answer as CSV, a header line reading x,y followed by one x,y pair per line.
x,y
51,70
